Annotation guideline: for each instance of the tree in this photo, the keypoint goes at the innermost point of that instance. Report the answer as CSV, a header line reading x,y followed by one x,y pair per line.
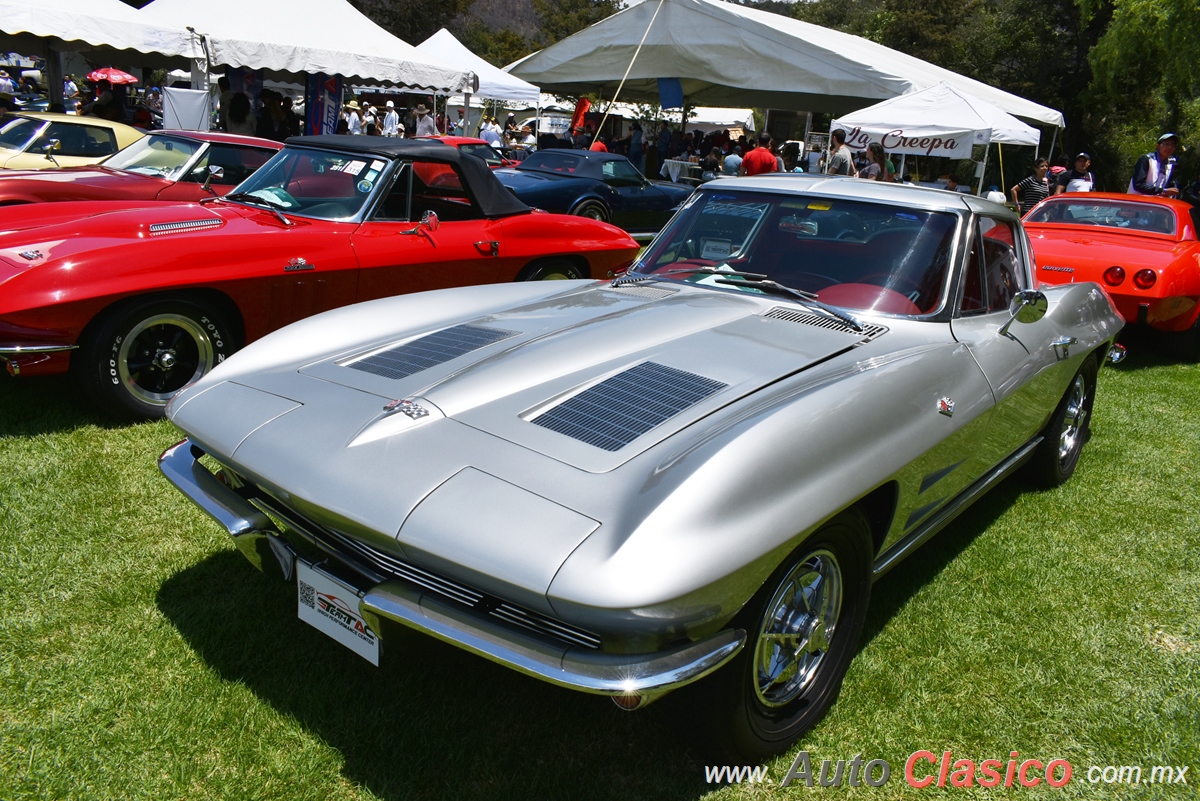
x,y
561,18
414,21
498,48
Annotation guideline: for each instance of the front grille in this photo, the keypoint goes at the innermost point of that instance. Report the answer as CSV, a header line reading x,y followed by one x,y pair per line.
x,y
428,351
379,566
870,330
620,409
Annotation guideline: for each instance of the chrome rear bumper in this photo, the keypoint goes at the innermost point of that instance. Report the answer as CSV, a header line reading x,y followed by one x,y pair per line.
x,y
634,676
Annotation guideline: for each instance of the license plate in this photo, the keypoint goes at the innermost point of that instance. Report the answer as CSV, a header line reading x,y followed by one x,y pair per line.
x,y
331,607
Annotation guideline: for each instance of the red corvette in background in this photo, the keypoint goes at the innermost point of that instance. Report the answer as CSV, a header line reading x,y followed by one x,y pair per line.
x,y
139,299
164,165
475,147
1142,249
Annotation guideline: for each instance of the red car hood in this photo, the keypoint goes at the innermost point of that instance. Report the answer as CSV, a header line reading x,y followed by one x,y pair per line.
x,y
78,183
56,231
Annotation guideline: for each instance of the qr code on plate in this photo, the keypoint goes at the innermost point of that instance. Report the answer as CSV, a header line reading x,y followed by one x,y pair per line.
x,y
306,595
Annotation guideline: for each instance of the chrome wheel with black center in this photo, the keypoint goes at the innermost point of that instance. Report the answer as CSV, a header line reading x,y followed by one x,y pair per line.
x,y
142,352
1064,436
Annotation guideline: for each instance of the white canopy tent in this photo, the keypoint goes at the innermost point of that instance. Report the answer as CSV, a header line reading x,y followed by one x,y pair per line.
x,y
938,121
493,81
84,24
294,37
925,121
729,55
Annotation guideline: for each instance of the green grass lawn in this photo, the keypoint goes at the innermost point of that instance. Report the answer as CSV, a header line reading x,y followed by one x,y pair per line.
x,y
141,657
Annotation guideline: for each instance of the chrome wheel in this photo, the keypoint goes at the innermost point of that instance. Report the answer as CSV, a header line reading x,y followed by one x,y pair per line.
x,y
162,354
592,210
1074,421
797,628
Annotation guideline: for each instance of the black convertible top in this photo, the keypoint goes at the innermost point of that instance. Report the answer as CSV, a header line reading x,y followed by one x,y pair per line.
x,y
493,198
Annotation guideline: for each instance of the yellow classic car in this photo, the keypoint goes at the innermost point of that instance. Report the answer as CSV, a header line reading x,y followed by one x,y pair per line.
x,y
25,137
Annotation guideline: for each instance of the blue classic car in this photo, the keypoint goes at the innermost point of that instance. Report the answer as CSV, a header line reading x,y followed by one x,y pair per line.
x,y
603,186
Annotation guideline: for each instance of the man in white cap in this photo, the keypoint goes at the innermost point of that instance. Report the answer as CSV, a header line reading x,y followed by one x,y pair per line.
x,y
1154,173
391,120
6,84
425,125
369,119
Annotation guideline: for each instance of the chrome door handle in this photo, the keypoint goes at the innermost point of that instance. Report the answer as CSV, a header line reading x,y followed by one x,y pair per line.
x,y
490,246
1062,346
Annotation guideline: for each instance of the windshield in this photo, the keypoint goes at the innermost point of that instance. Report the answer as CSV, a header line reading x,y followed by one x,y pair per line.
x,y
485,152
1108,213
18,132
847,253
155,155
324,184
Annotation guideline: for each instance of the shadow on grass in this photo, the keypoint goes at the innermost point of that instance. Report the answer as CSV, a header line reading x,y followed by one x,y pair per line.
x,y
45,405
1148,348
432,721
896,589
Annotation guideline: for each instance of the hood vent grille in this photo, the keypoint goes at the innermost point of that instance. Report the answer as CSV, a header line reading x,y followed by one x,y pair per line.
x,y
870,330
647,292
157,229
428,351
620,409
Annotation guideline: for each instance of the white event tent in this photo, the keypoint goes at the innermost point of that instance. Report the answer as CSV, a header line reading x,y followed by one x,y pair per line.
x,y
294,37
938,121
83,24
494,82
730,55
925,121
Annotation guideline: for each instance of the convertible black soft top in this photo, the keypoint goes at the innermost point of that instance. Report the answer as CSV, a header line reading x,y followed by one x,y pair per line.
x,y
493,198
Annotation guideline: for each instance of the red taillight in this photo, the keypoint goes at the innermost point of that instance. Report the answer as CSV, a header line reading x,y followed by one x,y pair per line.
x,y
1114,275
1144,279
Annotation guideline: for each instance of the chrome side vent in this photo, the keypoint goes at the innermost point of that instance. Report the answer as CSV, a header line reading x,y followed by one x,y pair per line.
x,y
870,330
428,351
157,229
646,292
620,409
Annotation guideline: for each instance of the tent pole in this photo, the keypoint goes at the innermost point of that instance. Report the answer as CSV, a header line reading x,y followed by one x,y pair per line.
x,y
983,172
621,85
1000,153
1053,141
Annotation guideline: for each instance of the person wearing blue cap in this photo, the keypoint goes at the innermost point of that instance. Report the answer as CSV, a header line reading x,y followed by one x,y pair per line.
x,y
1154,173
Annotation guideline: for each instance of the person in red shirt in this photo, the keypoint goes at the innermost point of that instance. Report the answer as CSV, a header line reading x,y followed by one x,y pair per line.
x,y
599,145
760,159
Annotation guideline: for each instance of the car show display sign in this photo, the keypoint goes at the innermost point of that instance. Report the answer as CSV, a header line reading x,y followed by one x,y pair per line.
x,y
331,607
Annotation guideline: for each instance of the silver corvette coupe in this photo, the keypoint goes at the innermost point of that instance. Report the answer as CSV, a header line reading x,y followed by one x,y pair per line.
x,y
624,486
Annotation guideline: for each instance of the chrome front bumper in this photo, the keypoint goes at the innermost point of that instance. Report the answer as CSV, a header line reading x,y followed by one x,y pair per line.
x,y
636,676
16,356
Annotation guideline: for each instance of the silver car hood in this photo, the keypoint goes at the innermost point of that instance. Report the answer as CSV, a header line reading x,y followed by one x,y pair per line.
x,y
607,375
469,431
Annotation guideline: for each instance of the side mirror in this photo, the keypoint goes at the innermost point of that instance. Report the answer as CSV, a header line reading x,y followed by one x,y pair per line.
x,y
1029,306
50,148
429,222
214,172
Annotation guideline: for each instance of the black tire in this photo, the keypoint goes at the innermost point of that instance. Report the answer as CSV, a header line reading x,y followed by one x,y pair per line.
x,y
1068,430
552,270
766,699
143,352
592,209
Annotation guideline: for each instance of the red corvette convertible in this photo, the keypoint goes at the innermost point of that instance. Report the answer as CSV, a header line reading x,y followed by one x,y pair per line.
x,y
165,165
1143,249
139,299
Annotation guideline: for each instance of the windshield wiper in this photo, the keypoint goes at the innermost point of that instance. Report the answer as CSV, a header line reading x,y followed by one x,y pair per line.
x,y
267,203
634,277
807,298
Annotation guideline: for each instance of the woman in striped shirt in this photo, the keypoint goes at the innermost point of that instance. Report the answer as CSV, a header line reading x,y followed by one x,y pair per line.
x,y
1034,189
